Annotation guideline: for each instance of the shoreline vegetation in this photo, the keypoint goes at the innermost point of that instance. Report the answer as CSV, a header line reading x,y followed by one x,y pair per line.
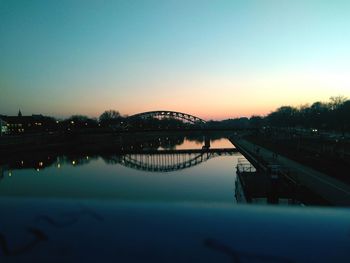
x,y
317,136
319,117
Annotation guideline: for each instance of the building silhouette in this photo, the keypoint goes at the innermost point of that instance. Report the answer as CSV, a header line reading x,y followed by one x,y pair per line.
x,y
23,124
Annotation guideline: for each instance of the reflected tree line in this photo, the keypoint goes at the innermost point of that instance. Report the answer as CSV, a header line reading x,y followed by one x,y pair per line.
x,y
39,161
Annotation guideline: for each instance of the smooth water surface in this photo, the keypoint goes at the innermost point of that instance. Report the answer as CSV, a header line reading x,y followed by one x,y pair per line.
x,y
212,179
158,169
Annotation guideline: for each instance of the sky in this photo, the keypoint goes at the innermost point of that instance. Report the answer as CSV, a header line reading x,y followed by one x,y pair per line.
x,y
212,59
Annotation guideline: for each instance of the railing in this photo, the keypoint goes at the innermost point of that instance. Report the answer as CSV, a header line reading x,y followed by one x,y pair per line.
x,y
244,165
279,170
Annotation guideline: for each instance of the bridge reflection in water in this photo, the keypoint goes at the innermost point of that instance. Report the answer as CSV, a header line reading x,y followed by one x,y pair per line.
x,y
167,160
249,185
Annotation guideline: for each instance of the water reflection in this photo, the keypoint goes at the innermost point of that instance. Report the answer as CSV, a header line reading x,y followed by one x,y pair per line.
x,y
119,172
166,162
174,142
198,174
150,153
151,162
160,161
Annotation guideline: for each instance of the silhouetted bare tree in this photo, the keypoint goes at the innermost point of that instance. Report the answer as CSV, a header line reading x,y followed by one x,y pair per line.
x,y
110,117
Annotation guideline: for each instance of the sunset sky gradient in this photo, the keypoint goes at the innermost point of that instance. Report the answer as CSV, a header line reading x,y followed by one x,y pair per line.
x,y
212,59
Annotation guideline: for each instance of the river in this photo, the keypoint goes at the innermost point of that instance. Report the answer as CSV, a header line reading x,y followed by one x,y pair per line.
x,y
171,174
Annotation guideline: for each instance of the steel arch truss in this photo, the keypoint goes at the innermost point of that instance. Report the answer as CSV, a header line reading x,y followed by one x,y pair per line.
x,y
169,114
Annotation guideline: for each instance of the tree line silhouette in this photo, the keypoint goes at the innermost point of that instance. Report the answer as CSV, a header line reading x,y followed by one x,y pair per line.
x,y
333,115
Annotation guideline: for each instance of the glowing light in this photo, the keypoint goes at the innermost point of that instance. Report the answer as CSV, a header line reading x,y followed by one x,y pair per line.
x,y
87,157
37,169
22,162
58,165
73,162
10,174
41,163
72,122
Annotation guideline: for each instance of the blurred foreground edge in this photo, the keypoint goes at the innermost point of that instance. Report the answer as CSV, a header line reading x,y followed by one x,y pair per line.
x,y
35,230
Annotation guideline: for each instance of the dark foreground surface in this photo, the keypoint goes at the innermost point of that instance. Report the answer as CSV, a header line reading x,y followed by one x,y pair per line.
x,y
35,230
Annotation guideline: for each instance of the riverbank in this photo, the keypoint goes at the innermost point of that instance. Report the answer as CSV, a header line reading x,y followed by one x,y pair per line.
x,y
331,189
331,158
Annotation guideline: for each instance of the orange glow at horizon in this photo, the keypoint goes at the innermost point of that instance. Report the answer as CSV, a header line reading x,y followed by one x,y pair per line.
x,y
219,97
208,112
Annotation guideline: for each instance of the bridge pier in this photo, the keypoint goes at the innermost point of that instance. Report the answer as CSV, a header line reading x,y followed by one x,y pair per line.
x,y
206,143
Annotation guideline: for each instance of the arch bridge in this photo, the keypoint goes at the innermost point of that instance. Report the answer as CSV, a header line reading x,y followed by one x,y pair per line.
x,y
166,162
160,114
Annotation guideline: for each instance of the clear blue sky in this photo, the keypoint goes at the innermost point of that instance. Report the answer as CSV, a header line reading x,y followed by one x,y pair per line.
x,y
214,59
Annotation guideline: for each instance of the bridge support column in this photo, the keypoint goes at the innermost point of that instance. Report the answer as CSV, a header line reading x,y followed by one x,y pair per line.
x,y
206,142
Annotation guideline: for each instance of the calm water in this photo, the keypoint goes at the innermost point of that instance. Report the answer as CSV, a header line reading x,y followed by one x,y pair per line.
x,y
172,177
211,180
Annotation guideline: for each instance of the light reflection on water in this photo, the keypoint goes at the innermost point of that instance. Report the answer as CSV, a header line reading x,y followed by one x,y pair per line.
x,y
208,180
214,144
193,176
